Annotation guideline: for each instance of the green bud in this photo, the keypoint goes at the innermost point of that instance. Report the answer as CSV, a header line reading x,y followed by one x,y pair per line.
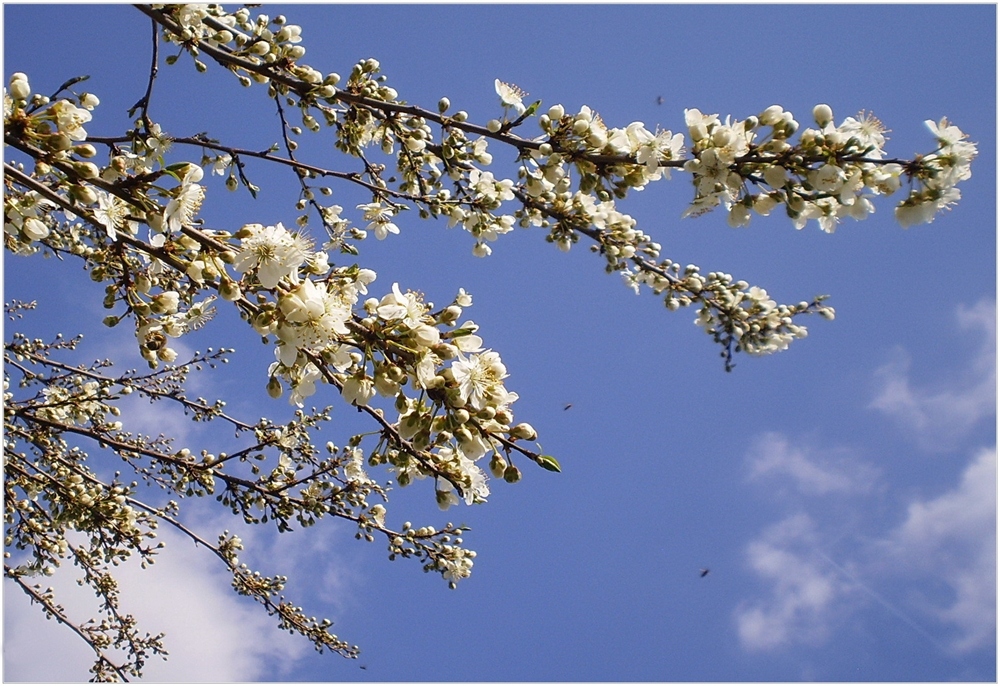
x,y
60,141
548,462
497,466
274,387
512,474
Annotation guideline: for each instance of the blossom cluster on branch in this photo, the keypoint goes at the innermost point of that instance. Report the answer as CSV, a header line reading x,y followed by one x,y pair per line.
x,y
128,207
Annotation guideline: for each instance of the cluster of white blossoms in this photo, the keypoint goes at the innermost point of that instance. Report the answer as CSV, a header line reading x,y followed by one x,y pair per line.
x,y
437,394
635,155
938,174
830,173
307,305
78,404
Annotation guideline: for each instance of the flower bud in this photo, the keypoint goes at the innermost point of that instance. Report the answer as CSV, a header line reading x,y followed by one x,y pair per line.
x,y
19,88
823,114
34,229
772,115
83,194
450,314
443,105
59,142
525,431
497,466
86,150
274,388
87,170
512,474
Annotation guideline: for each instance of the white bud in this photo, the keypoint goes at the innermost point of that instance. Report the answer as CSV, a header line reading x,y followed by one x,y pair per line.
x,y
19,88
823,114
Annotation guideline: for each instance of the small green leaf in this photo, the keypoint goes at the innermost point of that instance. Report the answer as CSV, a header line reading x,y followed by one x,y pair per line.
x,y
548,462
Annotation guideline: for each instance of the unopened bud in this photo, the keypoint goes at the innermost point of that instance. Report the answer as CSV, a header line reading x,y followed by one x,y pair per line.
x,y
87,170
525,431
823,114
497,466
274,387
84,194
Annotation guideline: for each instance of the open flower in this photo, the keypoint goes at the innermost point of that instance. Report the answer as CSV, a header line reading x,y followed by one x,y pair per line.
x,y
272,251
70,119
397,305
182,209
358,390
510,96
480,377
112,212
379,218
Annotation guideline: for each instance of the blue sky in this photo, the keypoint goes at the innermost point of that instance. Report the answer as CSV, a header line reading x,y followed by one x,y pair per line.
x,y
843,493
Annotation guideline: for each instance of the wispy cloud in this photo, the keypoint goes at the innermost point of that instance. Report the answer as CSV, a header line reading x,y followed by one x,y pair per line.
x,y
943,539
952,537
804,591
946,540
810,470
939,414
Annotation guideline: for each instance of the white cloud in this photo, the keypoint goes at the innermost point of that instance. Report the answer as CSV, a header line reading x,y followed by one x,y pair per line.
x,y
812,471
933,569
947,541
952,538
938,415
805,593
212,635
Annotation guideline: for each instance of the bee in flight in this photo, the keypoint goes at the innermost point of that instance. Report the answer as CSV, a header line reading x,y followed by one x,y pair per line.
x,y
704,573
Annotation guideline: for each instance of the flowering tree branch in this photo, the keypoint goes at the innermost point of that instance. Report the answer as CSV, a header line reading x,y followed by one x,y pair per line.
x,y
435,396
